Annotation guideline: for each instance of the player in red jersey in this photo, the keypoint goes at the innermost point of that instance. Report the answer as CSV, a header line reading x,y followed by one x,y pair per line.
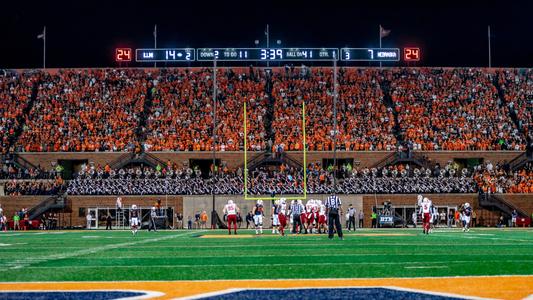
x,y
282,216
231,210
303,217
310,216
425,210
321,217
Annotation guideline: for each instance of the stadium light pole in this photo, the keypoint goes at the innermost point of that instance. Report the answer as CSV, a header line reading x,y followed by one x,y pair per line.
x,y
155,42
335,122
43,36
490,54
213,212
267,33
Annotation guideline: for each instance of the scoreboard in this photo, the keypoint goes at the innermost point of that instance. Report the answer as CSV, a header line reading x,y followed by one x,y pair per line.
x,y
370,54
268,54
165,55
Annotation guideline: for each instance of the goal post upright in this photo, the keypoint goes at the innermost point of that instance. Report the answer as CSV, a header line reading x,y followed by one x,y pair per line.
x,y
304,151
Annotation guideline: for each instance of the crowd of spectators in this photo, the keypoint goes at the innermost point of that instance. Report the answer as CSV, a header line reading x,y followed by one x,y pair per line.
x,y
34,187
182,118
104,109
15,95
518,90
452,109
364,122
498,179
266,181
10,171
85,110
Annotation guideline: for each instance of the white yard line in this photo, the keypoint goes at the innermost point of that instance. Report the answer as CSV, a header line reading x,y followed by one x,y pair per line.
x,y
302,254
277,265
470,236
26,262
426,267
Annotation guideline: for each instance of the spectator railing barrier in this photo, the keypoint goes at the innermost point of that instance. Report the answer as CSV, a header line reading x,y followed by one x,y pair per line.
x,y
491,200
53,202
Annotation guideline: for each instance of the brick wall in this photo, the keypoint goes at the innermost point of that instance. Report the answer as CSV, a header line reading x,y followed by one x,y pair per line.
x,y
235,159
188,205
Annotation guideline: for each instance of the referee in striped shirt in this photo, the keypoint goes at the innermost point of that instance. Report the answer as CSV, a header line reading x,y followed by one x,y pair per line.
x,y
334,211
296,209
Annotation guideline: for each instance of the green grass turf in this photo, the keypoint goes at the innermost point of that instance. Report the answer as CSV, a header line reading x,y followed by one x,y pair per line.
x,y
181,255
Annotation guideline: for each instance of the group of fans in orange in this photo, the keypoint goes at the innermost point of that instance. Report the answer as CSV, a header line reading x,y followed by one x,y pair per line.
x,y
100,109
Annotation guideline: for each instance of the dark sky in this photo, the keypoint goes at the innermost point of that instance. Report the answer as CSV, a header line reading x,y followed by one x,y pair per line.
x,y
85,33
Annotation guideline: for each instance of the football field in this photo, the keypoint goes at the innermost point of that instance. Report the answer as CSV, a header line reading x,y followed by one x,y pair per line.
x,y
110,256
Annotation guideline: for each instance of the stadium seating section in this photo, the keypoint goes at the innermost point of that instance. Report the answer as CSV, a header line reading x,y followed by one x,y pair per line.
x,y
171,109
389,109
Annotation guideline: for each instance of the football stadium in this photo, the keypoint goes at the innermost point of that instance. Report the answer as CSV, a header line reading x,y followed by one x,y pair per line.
x,y
266,150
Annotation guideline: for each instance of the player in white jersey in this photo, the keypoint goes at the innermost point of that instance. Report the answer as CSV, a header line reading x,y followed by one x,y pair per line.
x,y
134,219
231,210
425,210
434,218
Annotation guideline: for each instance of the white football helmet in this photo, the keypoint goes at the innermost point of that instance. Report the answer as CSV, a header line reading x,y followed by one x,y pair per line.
x,y
153,208
260,202
133,206
282,200
426,199
230,201
467,205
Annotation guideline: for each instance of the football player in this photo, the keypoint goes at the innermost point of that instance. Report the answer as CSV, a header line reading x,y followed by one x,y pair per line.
x,y
258,217
231,210
282,216
310,216
134,219
425,211
303,217
321,217
275,216
467,213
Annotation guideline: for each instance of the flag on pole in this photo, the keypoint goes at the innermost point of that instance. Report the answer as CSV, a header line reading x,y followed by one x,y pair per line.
x,y
42,35
383,32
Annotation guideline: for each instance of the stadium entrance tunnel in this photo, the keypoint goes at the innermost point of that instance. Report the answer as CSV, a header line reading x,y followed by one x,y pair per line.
x,y
327,293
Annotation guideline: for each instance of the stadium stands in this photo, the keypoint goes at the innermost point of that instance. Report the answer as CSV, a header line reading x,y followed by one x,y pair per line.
x,y
400,179
85,110
15,94
34,187
452,109
181,118
103,109
364,121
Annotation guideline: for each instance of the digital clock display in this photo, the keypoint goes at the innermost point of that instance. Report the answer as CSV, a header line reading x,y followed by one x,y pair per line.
x,y
370,54
267,54
123,54
165,55
411,54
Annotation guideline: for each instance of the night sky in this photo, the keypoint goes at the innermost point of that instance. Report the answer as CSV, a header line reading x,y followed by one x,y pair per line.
x,y
85,33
